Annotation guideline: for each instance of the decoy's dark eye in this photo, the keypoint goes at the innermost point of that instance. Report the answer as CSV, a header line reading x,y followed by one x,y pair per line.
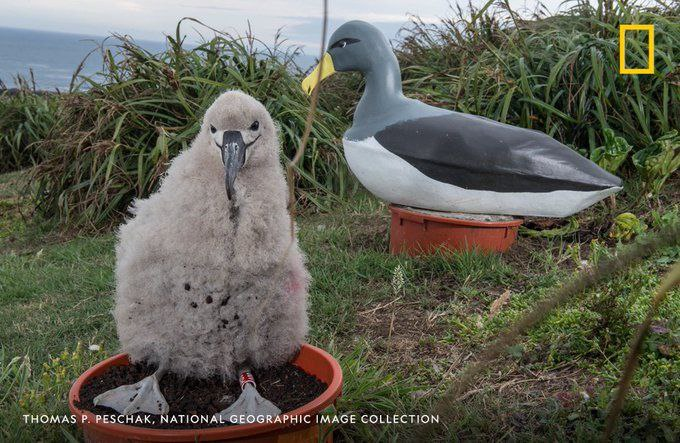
x,y
255,126
344,42
213,129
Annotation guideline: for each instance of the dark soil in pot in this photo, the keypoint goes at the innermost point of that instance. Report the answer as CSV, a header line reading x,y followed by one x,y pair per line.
x,y
287,386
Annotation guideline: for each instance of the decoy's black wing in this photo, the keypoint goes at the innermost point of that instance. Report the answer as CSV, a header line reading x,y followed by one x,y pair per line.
x,y
474,152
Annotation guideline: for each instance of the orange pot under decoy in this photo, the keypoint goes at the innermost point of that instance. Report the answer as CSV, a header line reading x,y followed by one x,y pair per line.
x,y
420,232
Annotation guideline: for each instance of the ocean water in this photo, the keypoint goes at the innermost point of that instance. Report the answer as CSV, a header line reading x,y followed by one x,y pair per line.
x,y
52,56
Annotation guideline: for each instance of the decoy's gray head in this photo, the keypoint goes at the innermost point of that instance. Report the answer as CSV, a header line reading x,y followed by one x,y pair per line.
x,y
241,130
354,46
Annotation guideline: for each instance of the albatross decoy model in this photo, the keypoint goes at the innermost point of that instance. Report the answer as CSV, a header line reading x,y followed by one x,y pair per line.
x,y
413,154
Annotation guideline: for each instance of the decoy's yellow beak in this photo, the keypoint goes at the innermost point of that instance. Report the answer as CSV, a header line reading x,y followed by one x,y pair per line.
x,y
323,69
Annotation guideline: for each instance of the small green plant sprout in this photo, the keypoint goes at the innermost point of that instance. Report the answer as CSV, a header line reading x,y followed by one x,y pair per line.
x,y
598,250
398,280
669,217
658,161
574,252
56,377
626,226
613,153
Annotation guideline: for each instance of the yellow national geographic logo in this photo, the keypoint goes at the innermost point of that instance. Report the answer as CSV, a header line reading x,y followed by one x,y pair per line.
x,y
622,49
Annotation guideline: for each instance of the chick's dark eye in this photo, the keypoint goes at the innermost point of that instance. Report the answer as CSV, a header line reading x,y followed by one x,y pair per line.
x,y
213,129
255,126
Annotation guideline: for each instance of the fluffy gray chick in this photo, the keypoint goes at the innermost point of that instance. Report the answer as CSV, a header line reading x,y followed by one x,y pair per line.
x,y
208,280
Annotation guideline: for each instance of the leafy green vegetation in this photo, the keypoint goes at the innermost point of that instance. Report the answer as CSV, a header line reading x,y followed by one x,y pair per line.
x,y
557,74
626,226
400,340
613,153
116,139
43,387
26,118
657,162
100,148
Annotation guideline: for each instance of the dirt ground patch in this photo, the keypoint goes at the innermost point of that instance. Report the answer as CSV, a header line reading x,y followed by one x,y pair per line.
x,y
406,335
368,232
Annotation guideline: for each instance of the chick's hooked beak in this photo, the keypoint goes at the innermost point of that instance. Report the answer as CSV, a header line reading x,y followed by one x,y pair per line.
x,y
324,69
233,156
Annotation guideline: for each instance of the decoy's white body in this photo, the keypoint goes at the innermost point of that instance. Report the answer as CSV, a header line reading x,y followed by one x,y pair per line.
x,y
391,178
407,152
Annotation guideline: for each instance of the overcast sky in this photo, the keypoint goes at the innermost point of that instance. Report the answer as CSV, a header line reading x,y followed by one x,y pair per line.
x,y
150,19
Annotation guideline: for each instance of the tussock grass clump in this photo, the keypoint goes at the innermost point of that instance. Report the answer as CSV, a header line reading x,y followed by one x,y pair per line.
x,y
26,118
143,108
558,74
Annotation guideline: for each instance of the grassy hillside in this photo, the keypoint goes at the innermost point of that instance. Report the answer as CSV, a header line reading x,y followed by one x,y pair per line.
x,y
402,328
399,344
99,149
115,141
557,74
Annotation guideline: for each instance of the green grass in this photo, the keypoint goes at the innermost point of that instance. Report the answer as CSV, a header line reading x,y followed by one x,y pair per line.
x,y
55,292
97,150
399,345
114,141
26,118
402,328
558,74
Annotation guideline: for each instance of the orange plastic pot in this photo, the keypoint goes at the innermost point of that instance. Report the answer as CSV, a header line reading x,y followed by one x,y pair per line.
x,y
310,359
414,233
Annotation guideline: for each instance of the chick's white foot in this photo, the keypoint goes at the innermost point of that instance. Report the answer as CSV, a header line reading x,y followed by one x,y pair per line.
x,y
249,404
143,396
